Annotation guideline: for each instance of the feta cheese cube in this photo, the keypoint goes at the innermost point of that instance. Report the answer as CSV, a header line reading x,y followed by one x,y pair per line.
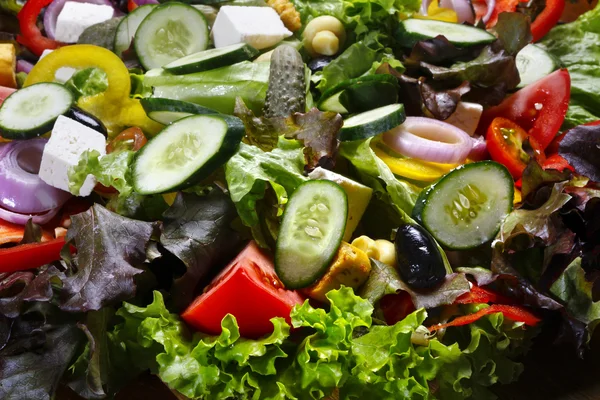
x,y
466,117
260,27
76,17
68,142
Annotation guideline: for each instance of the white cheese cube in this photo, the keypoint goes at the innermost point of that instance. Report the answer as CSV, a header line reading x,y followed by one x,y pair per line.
x,y
62,74
359,197
466,117
76,17
68,142
260,27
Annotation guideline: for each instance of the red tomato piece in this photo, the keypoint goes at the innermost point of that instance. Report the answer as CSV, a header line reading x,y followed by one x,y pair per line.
x,y
396,307
557,162
504,141
247,288
539,108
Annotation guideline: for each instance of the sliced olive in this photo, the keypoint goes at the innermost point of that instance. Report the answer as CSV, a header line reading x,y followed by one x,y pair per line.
x,y
420,262
87,119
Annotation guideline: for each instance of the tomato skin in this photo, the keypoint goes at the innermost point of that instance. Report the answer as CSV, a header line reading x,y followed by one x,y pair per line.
x,y
550,95
556,161
249,290
504,143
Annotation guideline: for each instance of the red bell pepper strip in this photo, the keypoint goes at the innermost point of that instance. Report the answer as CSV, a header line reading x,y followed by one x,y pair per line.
x,y
30,256
547,19
556,161
31,36
514,313
480,295
13,233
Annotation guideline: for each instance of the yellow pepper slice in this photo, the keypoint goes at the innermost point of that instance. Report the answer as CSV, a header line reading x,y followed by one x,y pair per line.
x,y
113,107
518,197
410,168
434,11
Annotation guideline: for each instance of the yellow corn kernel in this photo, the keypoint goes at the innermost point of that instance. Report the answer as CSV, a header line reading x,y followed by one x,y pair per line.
x,y
288,14
350,267
387,251
8,61
367,245
326,43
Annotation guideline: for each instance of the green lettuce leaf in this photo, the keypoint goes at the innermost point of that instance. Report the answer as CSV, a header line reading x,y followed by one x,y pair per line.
x,y
251,172
87,82
341,354
576,46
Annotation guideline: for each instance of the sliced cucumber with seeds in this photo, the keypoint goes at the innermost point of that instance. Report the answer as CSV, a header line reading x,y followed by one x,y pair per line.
x,y
534,63
129,26
167,111
466,207
311,232
372,123
186,152
411,31
171,31
212,59
32,111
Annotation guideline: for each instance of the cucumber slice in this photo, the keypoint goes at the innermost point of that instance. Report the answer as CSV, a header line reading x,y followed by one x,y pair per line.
x,y
167,111
128,27
169,32
411,31
534,63
212,59
186,152
466,207
360,94
372,123
32,111
311,232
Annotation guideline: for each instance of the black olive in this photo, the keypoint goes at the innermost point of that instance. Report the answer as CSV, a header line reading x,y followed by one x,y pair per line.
x,y
317,64
86,119
420,262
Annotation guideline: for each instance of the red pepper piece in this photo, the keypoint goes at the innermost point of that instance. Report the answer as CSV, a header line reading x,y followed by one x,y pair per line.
x,y
30,256
481,295
515,313
31,36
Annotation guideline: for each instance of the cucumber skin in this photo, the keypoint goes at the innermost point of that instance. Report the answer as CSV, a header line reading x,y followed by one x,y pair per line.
x,y
362,132
326,263
231,142
245,53
286,93
417,213
345,84
409,39
150,104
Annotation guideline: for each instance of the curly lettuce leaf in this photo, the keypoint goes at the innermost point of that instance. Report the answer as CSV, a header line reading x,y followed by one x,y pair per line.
x,y
341,354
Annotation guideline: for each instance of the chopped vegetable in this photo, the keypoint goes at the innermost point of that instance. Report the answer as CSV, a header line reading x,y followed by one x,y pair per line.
x,y
29,256
31,36
514,313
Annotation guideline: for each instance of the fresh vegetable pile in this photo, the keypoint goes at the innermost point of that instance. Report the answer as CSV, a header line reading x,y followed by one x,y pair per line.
x,y
295,199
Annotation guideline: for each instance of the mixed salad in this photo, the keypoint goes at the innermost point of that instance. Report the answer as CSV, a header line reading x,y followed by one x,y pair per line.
x,y
294,199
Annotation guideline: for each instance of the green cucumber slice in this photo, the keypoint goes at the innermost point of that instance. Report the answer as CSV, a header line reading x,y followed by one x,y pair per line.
x,y
171,31
32,111
186,152
411,31
466,207
128,27
534,63
372,123
311,232
213,58
360,94
167,111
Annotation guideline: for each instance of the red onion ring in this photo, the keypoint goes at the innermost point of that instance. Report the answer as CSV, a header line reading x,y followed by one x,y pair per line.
x,y
479,149
52,11
491,4
21,219
24,66
463,9
424,7
21,189
429,139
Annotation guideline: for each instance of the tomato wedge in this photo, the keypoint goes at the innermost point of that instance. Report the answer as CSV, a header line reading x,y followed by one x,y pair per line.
x,y
29,256
396,307
247,288
505,145
539,108
515,313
